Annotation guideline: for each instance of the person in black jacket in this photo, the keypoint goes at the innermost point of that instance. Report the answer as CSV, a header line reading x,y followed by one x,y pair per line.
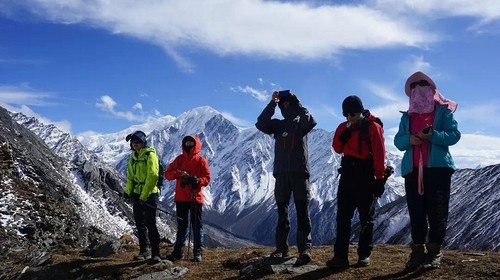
x,y
291,169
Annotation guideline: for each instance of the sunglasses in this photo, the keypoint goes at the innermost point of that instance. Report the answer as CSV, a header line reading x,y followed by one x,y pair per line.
x,y
421,83
349,113
137,142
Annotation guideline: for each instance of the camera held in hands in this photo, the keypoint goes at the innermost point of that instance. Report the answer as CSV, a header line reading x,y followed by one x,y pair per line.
x,y
283,93
427,129
191,180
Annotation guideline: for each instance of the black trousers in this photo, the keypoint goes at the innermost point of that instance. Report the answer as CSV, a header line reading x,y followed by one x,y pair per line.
x,y
355,192
429,212
298,184
183,208
145,221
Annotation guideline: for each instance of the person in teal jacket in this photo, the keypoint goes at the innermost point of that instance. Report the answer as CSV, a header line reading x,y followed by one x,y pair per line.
x,y
425,133
142,176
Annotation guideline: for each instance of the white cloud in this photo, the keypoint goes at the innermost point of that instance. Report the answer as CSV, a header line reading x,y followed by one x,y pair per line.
x,y
18,99
257,94
323,111
476,150
236,121
249,27
471,113
107,104
486,9
389,111
392,102
24,94
137,106
383,92
414,64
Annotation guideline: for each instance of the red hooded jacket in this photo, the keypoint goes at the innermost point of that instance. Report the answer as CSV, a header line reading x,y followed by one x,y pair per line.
x,y
195,165
376,134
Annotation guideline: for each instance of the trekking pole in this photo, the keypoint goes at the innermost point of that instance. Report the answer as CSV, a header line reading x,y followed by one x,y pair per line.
x,y
193,189
194,212
161,210
156,208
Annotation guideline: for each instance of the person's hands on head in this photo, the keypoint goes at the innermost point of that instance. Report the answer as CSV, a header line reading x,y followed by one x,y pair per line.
x,y
275,97
415,140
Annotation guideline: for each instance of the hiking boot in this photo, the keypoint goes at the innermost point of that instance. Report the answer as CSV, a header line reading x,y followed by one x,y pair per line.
x,y
434,256
304,258
280,253
364,261
154,260
417,256
197,258
336,263
143,255
174,257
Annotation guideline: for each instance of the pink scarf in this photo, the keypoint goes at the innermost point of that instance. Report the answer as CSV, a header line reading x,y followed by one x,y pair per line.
x,y
422,100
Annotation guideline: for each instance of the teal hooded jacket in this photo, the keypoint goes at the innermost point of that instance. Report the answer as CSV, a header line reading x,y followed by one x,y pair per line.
x,y
142,173
445,133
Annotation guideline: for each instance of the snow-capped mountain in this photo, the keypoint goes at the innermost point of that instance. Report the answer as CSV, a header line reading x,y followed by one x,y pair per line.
x,y
44,200
103,185
97,185
239,199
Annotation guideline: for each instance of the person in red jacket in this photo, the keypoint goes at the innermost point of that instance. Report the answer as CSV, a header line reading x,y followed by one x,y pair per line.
x,y
361,141
192,173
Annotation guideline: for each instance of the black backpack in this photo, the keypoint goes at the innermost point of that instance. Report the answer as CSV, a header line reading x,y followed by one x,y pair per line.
x,y
364,134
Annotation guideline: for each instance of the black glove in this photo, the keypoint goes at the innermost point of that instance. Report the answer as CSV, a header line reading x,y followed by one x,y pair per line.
x,y
379,188
126,197
345,135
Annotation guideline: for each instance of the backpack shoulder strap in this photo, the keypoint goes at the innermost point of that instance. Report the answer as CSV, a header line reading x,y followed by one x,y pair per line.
x,y
365,134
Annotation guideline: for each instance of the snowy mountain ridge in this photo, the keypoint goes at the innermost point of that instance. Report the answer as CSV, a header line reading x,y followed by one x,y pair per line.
x,y
240,195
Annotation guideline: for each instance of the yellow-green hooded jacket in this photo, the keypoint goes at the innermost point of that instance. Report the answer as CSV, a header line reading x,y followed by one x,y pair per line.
x,y
142,173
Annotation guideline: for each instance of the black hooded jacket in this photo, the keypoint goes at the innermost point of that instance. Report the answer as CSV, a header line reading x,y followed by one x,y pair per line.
x,y
290,134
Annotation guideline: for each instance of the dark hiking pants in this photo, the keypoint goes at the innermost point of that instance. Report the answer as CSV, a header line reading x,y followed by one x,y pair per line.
x,y
145,221
429,212
355,192
183,208
298,184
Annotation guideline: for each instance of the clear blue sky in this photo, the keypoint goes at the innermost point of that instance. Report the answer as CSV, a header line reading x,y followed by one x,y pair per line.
x,y
103,66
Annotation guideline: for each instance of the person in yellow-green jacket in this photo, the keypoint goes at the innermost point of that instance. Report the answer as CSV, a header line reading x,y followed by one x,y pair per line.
x,y
142,176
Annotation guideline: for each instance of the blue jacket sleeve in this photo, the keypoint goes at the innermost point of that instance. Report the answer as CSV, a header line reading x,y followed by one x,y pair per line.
x,y
402,138
446,134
